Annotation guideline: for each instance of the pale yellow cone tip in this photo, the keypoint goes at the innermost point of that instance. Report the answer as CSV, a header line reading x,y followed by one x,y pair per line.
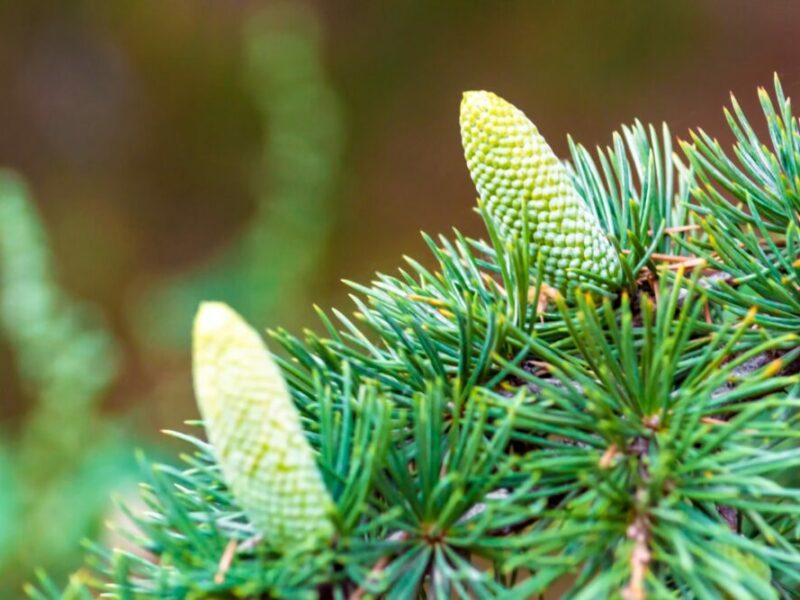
x,y
481,100
476,97
481,97
477,100
212,316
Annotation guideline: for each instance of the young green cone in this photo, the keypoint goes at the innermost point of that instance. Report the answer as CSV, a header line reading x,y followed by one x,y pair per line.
x,y
515,172
255,429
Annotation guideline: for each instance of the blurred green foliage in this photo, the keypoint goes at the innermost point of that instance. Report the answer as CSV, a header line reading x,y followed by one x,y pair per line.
x,y
267,267
67,457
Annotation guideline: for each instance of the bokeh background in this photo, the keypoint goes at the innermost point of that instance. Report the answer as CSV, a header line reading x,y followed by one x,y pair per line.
x,y
259,152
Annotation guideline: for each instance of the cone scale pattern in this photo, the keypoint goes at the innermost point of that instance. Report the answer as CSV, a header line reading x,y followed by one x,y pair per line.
x,y
255,429
515,170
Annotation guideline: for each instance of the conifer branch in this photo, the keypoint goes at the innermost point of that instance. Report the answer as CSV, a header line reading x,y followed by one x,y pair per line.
x,y
626,424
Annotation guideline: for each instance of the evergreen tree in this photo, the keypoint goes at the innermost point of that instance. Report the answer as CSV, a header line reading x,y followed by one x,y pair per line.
x,y
599,402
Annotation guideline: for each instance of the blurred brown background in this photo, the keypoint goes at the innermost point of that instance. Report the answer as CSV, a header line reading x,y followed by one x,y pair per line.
x,y
137,128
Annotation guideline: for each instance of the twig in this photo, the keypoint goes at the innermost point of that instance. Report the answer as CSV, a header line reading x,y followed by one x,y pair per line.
x,y
608,456
639,532
672,258
225,561
678,229
546,295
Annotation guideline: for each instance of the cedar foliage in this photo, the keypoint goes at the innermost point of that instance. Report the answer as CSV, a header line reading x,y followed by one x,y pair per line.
x,y
483,436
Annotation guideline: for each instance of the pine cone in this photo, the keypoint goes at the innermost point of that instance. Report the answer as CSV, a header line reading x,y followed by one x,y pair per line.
x,y
513,167
255,430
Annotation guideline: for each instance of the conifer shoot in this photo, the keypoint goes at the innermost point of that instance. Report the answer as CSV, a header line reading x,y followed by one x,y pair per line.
x,y
516,172
255,430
